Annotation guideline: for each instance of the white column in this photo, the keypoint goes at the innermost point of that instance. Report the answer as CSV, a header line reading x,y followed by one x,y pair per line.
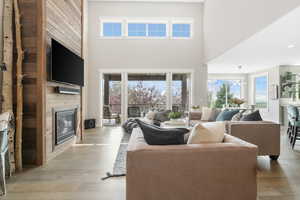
x,y
124,96
169,90
101,97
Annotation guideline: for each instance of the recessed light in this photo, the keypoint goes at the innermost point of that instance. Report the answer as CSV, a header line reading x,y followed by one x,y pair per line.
x,y
291,46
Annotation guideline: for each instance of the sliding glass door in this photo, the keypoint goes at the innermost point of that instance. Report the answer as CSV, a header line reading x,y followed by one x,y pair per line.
x,y
131,95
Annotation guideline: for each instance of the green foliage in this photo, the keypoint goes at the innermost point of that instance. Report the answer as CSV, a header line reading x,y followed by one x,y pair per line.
x,y
221,96
174,115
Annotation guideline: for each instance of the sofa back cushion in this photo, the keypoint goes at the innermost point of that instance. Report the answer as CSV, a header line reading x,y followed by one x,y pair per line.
x,y
226,115
209,114
210,132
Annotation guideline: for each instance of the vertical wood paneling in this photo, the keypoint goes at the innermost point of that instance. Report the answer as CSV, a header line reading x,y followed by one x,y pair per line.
x,y
64,25
41,20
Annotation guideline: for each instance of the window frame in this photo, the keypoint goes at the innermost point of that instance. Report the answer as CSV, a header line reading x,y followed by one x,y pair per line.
x,y
112,20
187,21
147,22
266,74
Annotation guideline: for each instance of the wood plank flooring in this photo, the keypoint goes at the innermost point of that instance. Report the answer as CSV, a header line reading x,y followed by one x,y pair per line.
x,y
76,173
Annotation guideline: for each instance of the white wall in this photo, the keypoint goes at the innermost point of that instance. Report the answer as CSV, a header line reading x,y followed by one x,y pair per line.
x,y
272,113
142,53
227,23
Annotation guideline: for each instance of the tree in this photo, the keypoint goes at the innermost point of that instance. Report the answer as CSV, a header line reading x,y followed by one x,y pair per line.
x,y
139,94
221,96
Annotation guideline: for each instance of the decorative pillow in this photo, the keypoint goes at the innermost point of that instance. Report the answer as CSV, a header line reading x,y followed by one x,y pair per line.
x,y
254,116
206,113
210,132
162,116
214,114
155,135
226,115
237,117
150,115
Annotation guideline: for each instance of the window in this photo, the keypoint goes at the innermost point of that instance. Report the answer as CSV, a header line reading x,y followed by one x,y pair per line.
x,y
147,30
111,29
261,91
136,29
157,30
181,30
221,92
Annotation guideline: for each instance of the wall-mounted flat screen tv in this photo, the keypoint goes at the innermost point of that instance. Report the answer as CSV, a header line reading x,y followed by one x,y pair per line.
x,y
66,66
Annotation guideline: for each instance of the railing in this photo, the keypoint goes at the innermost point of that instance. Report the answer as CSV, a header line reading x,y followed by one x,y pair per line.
x,y
137,110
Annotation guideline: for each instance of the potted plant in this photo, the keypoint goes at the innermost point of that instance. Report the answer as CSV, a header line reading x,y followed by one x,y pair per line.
x,y
195,108
237,102
174,115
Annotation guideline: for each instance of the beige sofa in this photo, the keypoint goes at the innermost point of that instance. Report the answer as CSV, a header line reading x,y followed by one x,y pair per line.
x,y
224,171
266,135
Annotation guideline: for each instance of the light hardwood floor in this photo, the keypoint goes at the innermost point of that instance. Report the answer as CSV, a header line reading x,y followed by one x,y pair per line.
x,y
76,173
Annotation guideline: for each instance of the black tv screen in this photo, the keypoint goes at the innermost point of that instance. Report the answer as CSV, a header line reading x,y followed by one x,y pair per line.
x,y
66,66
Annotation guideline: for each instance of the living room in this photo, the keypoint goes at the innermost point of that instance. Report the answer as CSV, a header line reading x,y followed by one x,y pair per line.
x,y
150,99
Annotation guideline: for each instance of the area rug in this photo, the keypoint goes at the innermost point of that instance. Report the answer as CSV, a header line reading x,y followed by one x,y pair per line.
x,y
119,168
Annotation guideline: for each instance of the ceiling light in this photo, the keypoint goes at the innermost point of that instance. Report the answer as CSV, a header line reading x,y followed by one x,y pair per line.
x,y
291,46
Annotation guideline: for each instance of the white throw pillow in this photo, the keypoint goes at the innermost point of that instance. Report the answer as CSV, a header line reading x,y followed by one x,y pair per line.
x,y
210,132
150,115
206,113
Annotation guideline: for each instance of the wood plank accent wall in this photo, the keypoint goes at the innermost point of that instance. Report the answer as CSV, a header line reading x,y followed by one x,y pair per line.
x,y
42,20
64,25
30,68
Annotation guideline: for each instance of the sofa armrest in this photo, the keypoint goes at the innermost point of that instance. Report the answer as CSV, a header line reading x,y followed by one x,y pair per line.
x,y
198,171
264,134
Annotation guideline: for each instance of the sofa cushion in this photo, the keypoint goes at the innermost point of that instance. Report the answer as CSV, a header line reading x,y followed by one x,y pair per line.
x,y
226,115
206,113
155,135
150,115
210,132
254,116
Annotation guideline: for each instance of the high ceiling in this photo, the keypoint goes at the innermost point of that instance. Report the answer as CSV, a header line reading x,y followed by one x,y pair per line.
x,y
278,44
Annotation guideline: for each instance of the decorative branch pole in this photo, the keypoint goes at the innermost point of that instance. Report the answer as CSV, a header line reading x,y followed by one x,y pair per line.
x,y
19,72
7,86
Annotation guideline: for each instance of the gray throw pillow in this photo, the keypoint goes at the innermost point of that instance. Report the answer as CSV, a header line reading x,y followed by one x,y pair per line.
x,y
237,117
155,135
214,114
254,116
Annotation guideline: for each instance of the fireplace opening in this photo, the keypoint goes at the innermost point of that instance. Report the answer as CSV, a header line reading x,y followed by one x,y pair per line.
x,y
65,125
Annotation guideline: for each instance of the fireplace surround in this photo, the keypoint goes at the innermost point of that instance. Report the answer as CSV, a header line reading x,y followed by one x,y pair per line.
x,y
65,125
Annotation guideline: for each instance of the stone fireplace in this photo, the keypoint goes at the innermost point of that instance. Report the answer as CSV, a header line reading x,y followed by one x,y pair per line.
x,y
65,125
